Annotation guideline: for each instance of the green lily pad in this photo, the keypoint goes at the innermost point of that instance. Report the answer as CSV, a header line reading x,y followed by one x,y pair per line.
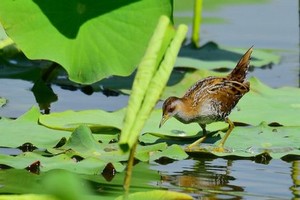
x,y
211,56
26,129
252,141
262,103
95,119
94,156
87,43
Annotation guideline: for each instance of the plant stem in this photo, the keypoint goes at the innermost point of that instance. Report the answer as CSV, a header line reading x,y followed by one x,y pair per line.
x,y
129,168
197,22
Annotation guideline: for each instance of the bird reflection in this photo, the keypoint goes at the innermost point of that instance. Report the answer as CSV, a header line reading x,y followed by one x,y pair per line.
x,y
206,180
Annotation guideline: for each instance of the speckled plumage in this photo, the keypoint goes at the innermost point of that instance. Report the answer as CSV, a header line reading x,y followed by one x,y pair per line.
x,y
210,99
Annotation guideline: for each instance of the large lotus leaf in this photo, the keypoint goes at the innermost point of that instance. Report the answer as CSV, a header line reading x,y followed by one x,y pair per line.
x,y
62,161
262,103
95,119
211,56
25,129
99,119
83,144
252,141
90,39
249,141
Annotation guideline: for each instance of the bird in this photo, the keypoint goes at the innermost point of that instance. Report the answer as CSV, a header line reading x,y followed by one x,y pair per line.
x,y
210,100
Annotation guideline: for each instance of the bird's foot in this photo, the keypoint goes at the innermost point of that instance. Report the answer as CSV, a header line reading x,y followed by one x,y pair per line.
x,y
195,144
220,149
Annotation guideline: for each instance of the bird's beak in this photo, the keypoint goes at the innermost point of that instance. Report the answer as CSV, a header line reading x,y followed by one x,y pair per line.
x,y
163,120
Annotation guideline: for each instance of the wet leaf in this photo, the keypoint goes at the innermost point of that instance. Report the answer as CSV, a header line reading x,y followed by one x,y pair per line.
x,y
211,56
85,32
90,165
252,141
174,152
96,120
26,129
263,103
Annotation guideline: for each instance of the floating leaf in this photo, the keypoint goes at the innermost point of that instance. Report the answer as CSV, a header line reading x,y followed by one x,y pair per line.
x,y
89,39
211,56
262,103
174,152
95,119
252,141
26,129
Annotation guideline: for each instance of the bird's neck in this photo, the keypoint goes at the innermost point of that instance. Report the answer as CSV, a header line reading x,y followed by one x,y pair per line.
x,y
184,112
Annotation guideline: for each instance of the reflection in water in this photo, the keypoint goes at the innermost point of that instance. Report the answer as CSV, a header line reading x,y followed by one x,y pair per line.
x,y
205,178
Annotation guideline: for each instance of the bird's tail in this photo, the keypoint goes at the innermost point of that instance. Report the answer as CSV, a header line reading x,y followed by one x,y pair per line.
x,y
240,71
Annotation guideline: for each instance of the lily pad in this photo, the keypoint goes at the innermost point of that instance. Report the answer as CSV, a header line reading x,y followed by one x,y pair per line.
x,y
81,153
252,141
87,43
211,56
26,129
263,103
95,119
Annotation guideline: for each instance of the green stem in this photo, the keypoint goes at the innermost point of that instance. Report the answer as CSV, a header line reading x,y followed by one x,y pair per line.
x,y
197,22
129,168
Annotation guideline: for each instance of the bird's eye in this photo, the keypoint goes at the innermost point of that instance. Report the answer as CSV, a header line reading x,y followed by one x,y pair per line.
x,y
171,109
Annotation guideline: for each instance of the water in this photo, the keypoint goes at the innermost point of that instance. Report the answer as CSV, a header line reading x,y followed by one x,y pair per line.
x,y
271,25
232,179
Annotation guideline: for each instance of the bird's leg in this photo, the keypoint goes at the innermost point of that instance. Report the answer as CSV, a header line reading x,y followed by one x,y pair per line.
x,y
200,140
230,128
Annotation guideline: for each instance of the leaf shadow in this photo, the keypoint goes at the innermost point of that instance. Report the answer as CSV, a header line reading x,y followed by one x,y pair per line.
x,y
210,52
67,16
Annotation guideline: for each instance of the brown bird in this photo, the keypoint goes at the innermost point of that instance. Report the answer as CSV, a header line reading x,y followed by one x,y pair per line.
x,y
210,100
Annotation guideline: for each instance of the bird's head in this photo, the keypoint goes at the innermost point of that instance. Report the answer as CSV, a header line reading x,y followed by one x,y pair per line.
x,y
169,109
